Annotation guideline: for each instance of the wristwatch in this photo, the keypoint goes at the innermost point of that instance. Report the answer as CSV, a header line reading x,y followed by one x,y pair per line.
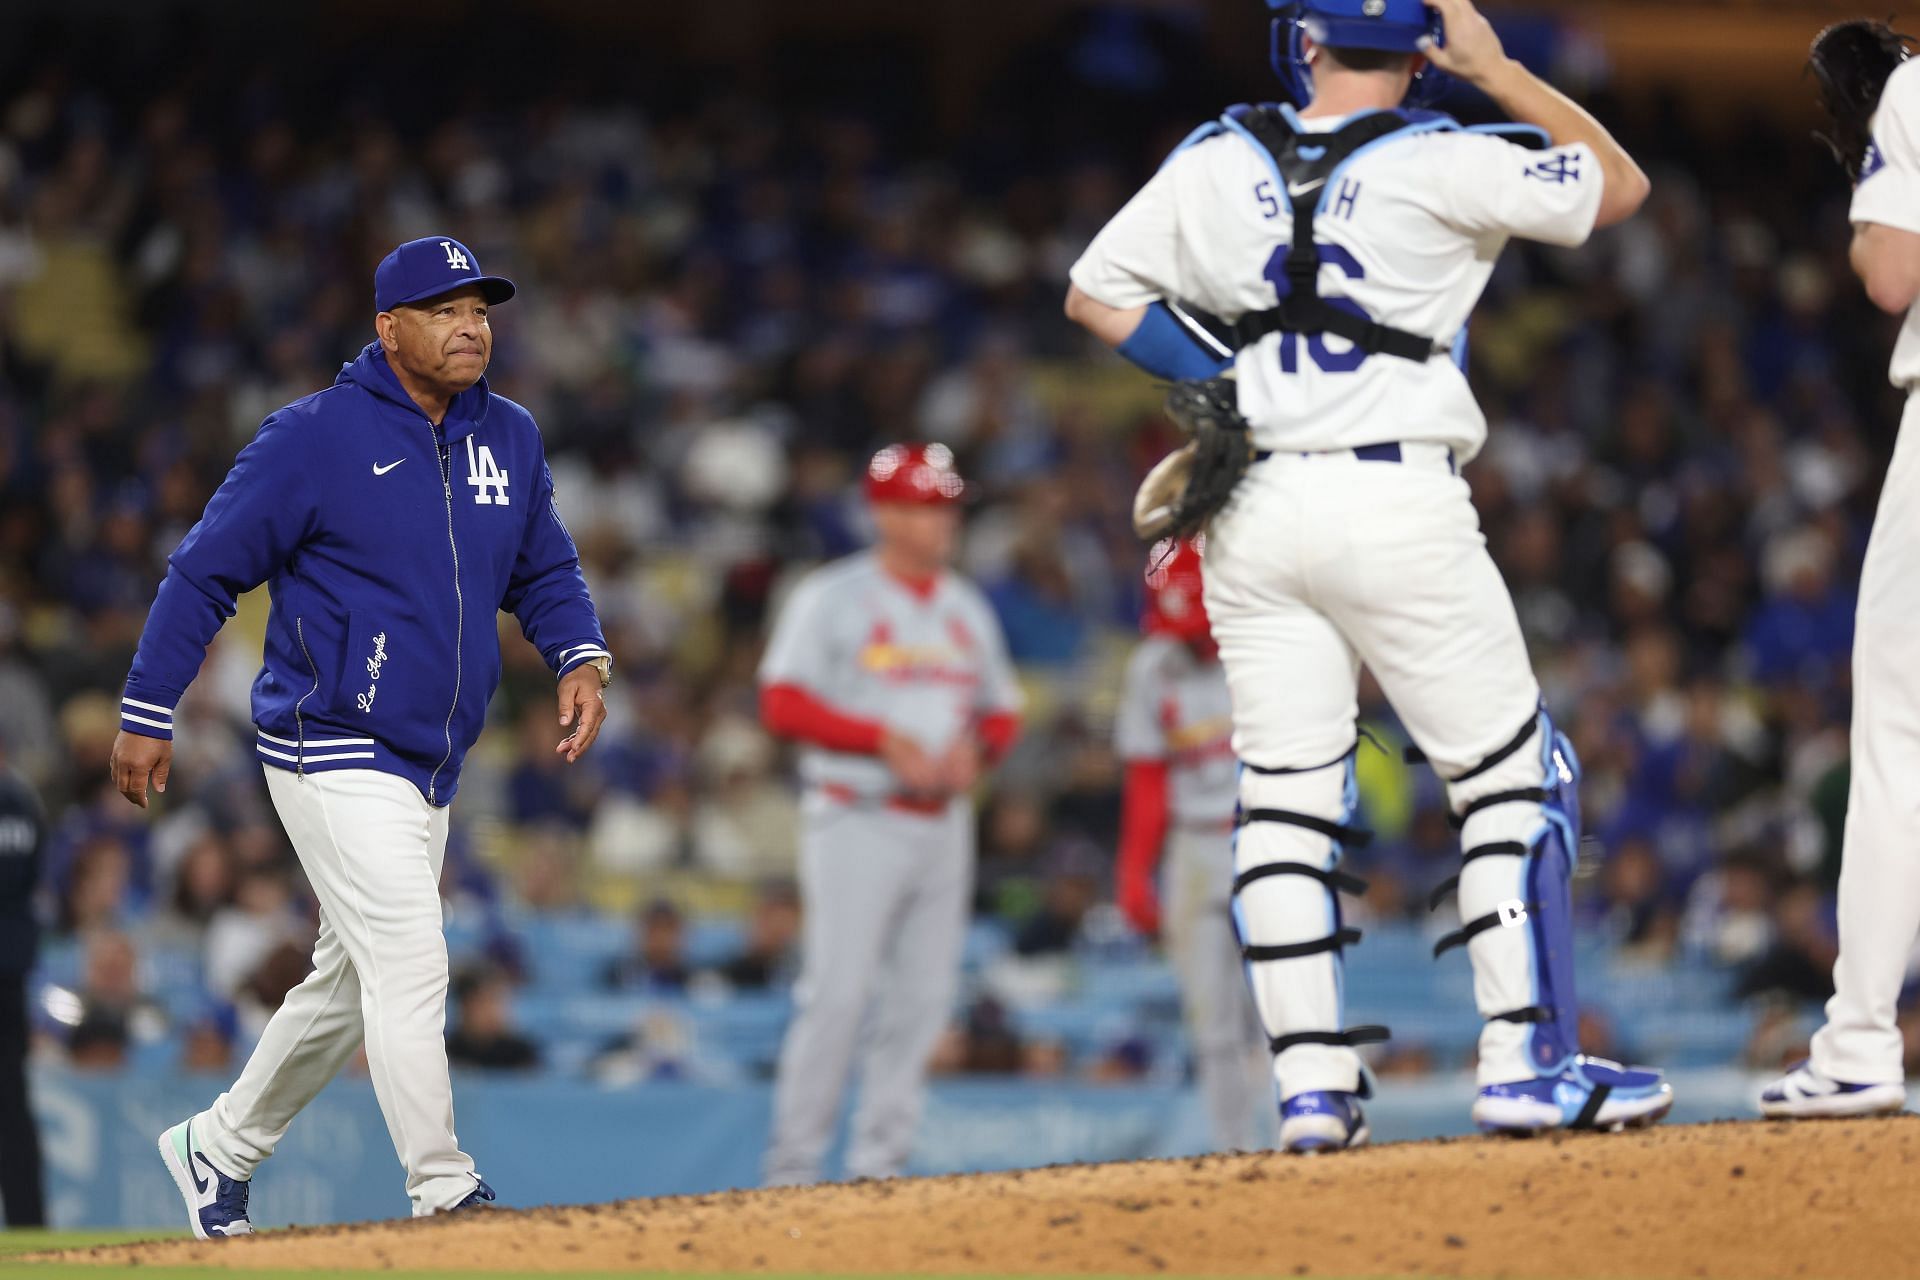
x,y
605,667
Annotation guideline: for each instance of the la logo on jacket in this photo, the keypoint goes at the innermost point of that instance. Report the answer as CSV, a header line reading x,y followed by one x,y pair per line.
x,y
484,474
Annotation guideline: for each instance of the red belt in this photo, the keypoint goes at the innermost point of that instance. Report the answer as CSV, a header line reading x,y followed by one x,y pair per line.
x,y
900,804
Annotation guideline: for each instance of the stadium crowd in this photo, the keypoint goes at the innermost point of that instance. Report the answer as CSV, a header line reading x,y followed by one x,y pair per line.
x,y
723,310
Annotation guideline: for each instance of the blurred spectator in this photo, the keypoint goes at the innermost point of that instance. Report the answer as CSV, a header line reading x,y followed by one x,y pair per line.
x,y
97,888
744,829
771,955
1072,888
203,886
483,1037
546,875
542,790
983,1042
1799,963
110,998
656,966
284,966
260,920
1126,1060
659,1048
1638,914
207,1046
1729,912
99,1043
1804,628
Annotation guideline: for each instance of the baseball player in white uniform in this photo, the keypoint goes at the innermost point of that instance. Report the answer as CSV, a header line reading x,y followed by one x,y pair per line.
x,y
1174,734
892,674
1856,1063
1346,243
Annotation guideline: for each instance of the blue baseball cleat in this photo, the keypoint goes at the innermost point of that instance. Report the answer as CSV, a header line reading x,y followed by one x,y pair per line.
x,y
1804,1093
1589,1093
478,1198
1322,1121
216,1204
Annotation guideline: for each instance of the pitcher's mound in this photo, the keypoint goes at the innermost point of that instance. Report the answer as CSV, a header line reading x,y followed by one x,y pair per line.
x,y
1733,1200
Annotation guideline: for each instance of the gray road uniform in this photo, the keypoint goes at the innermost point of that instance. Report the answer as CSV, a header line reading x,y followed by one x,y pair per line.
x,y
885,878
1174,709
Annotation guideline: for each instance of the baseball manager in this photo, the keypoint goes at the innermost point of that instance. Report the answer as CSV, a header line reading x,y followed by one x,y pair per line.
x,y
393,514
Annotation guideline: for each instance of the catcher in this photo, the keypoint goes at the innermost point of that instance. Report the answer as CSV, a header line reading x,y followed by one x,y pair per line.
x,y
1872,93
1347,242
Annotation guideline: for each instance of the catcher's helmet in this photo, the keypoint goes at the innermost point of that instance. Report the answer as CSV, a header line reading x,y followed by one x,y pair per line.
x,y
920,474
1176,603
1390,26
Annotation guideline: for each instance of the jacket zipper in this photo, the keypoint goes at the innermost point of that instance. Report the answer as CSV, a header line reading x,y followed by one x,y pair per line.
x,y
299,725
444,451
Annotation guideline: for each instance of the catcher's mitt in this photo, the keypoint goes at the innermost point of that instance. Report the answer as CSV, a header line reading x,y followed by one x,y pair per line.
x,y
1181,493
1852,61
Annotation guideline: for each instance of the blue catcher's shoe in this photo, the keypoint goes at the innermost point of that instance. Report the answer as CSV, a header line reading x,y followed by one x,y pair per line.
x,y
1804,1093
478,1198
1322,1121
1590,1093
216,1204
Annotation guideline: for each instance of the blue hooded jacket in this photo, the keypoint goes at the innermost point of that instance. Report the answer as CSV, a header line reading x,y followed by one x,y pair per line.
x,y
389,544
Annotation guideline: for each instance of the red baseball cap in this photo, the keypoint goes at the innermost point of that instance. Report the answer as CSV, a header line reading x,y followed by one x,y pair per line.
x,y
921,474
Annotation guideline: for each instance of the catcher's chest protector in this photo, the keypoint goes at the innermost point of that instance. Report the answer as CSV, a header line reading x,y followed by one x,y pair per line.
x,y
1307,163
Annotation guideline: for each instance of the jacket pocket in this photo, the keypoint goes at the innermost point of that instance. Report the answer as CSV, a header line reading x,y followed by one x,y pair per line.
x,y
367,653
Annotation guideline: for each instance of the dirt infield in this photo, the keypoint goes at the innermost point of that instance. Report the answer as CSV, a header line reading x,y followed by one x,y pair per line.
x,y
1748,1200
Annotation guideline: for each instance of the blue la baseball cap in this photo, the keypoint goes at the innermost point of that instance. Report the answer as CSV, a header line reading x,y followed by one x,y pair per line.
x,y
429,267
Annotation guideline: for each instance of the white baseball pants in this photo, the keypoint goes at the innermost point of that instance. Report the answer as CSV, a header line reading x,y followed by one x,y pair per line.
x,y
372,848
1880,859
1229,1053
886,895
1319,563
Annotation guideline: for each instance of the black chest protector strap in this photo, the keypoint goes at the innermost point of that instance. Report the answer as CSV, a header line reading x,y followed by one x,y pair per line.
x,y
1307,162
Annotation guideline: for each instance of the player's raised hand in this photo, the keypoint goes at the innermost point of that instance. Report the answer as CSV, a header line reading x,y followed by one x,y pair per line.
x,y
583,708
136,758
1471,49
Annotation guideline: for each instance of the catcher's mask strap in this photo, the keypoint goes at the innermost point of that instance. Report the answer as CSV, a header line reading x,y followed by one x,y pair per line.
x,y
1349,837
1254,952
1493,849
1332,879
1346,1039
1474,928
1534,795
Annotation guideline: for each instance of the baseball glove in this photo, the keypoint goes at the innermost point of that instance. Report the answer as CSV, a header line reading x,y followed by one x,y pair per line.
x,y
1852,61
1182,493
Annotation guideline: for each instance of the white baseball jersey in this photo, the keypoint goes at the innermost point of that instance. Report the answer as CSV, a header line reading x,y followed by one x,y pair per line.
x,y
927,666
1410,230
1174,707
1889,191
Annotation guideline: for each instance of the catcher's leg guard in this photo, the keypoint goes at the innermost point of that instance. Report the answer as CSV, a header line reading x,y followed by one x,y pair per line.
x,y
1293,828
1519,814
